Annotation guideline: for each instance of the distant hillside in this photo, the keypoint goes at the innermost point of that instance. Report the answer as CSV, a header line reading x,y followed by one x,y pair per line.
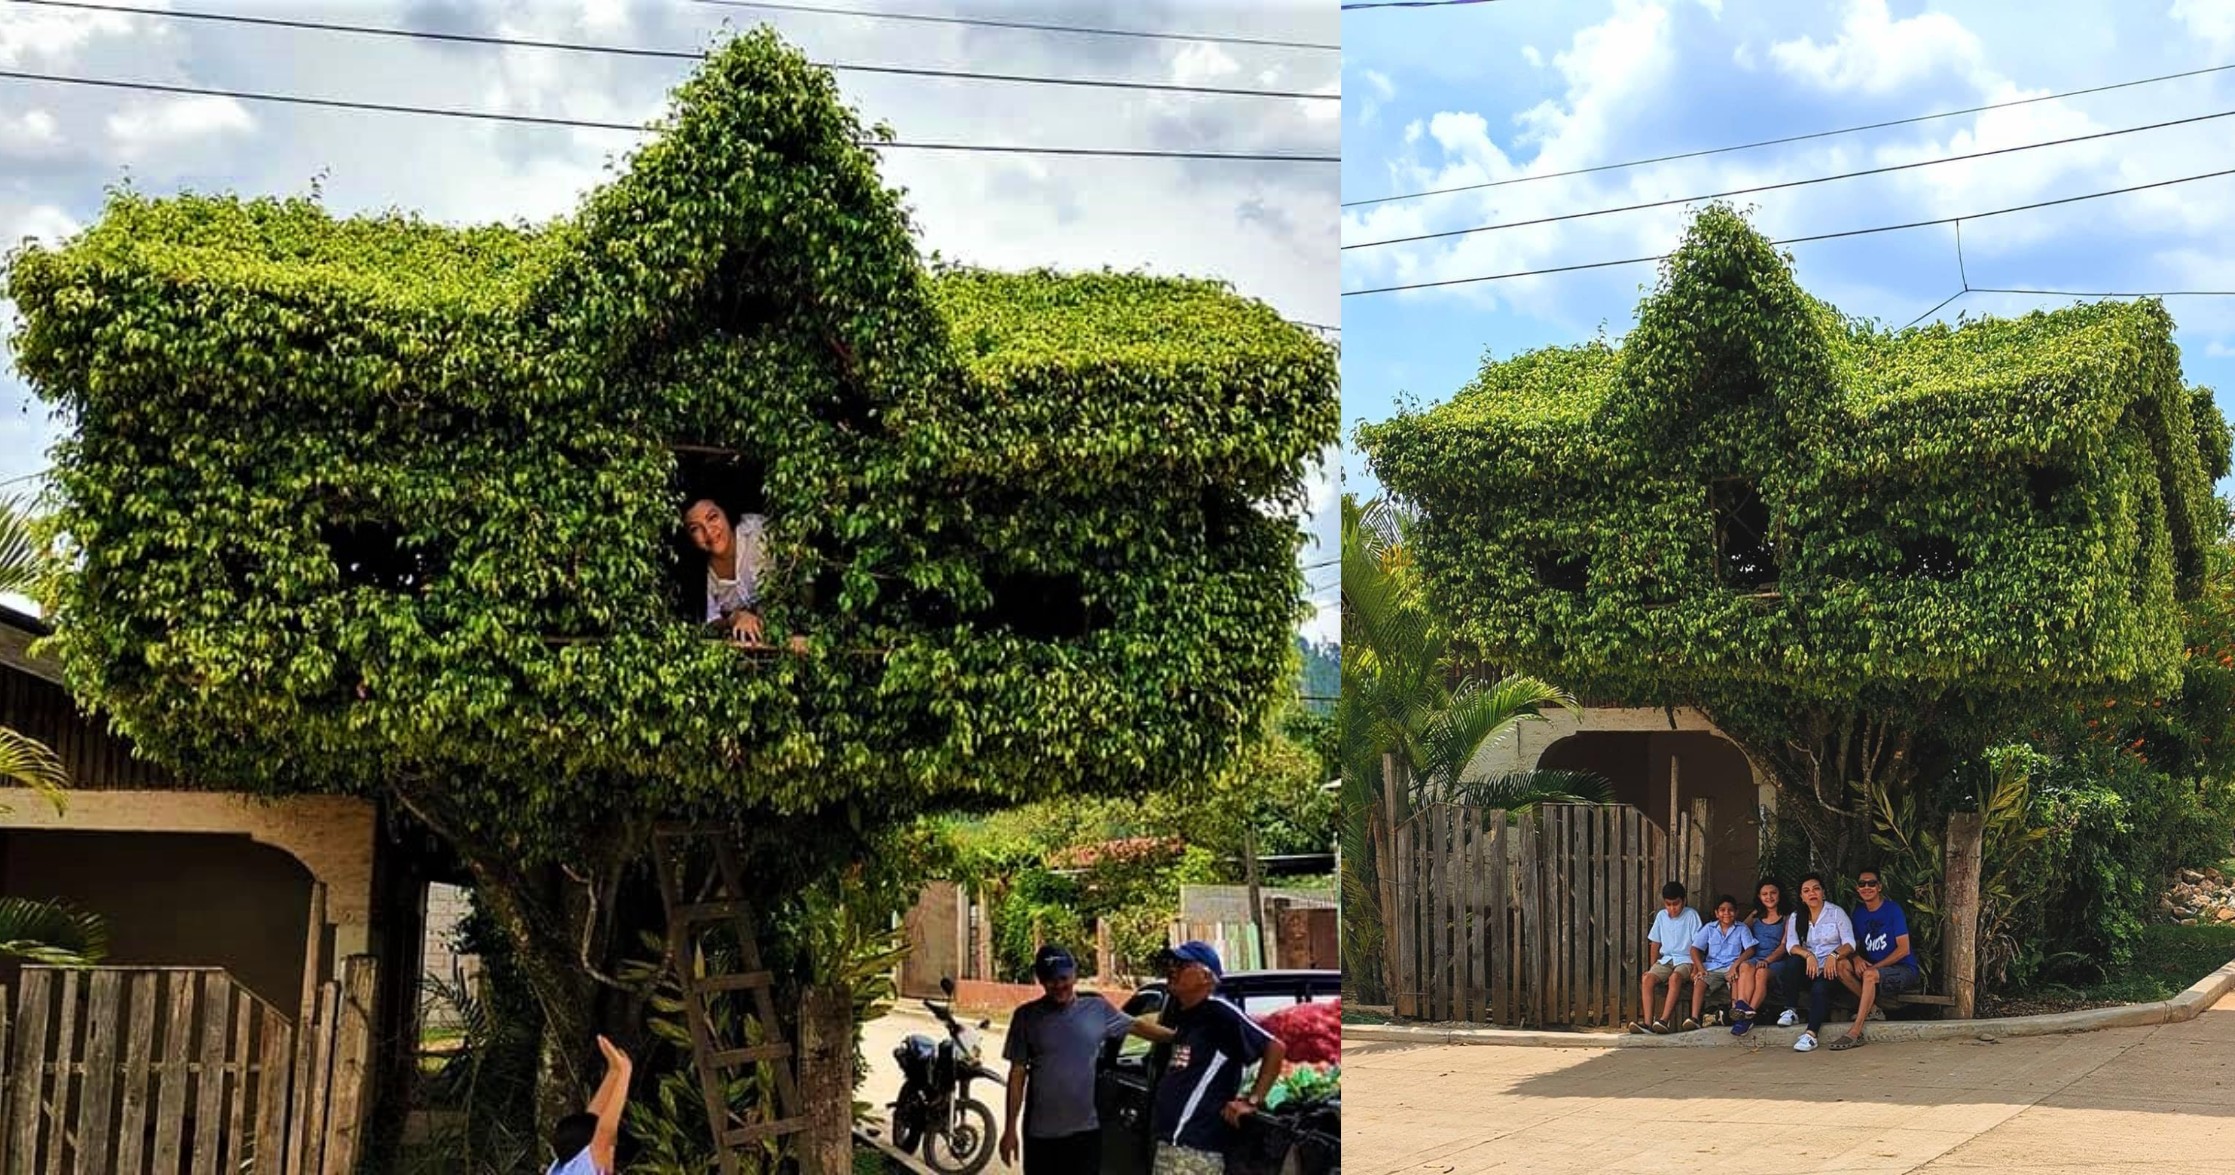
x,y
1323,672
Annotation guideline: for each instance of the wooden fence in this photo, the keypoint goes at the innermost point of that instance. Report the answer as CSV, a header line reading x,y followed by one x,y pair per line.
x,y
1533,920
180,1069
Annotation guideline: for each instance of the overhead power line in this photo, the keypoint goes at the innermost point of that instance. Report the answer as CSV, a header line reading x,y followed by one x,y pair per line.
x,y
673,54
1799,183
592,124
1024,25
1412,3
1857,232
1849,130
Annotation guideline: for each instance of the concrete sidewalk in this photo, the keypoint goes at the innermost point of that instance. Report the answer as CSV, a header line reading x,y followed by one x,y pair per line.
x,y
2152,1099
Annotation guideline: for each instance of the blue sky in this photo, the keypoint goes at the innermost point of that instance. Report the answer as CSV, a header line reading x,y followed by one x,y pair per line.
x,y
1444,97
1266,227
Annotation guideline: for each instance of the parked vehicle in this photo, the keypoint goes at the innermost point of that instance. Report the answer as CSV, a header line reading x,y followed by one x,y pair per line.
x,y
935,1113
1129,1070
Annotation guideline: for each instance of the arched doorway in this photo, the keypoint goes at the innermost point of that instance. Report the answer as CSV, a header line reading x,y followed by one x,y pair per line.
x,y
1641,766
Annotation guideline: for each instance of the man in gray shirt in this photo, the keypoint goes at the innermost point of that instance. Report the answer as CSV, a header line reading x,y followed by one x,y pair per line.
x,y
1053,1045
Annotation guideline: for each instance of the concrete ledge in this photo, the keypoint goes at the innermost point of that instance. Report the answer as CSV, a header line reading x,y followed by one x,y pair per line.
x,y
2186,1006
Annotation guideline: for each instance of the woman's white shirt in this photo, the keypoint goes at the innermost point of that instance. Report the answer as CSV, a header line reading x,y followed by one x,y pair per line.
x,y
1826,932
724,596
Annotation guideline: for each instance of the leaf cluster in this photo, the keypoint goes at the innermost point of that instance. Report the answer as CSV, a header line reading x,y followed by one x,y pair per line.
x,y
371,501
1754,494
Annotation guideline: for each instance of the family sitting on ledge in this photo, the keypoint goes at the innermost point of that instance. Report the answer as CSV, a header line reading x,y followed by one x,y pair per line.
x,y
1781,956
736,558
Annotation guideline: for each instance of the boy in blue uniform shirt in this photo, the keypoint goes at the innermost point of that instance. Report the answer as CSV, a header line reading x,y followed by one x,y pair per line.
x,y
1882,963
1671,940
584,1142
1715,949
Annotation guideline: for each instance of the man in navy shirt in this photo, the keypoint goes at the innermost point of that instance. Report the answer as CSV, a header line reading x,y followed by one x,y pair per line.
x,y
1198,1107
1882,963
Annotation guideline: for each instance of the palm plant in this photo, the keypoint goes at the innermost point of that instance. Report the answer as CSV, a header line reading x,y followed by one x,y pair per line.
x,y
1408,715
24,762
42,932
52,933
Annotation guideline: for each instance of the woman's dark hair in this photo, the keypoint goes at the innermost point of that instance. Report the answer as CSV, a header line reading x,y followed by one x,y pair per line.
x,y
1761,911
1800,909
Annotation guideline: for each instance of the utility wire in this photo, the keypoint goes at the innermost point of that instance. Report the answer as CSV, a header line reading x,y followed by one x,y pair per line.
x,y
1413,4
987,22
1850,130
1799,183
1856,232
671,54
591,124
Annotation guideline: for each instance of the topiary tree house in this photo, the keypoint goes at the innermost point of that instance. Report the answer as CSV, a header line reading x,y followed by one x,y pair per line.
x,y
1865,555
380,506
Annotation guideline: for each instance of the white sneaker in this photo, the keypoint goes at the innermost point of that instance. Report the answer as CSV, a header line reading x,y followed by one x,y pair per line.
x,y
1788,1018
1806,1043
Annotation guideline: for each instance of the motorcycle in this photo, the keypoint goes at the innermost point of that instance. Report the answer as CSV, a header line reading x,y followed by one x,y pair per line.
x,y
935,1111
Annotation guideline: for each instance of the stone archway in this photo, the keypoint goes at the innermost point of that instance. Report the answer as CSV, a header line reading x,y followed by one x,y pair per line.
x,y
1640,752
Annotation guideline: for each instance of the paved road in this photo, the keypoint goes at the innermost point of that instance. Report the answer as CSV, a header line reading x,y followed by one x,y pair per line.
x,y
881,1036
2128,1100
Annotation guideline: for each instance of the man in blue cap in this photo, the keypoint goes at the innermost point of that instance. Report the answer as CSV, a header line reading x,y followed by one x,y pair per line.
x,y
1052,1047
1199,1102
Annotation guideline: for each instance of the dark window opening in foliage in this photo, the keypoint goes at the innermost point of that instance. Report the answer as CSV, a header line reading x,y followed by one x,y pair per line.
x,y
1040,606
1745,552
2047,485
732,481
377,555
1932,558
1562,572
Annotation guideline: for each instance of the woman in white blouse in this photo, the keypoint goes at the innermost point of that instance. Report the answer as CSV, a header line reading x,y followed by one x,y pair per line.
x,y
1827,935
736,555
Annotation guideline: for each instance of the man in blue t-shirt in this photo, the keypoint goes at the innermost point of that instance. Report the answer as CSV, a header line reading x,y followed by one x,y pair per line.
x,y
1198,1107
1882,963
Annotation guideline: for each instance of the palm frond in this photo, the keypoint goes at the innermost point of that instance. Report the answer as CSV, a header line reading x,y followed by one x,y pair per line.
x,y
19,549
27,762
1515,790
52,932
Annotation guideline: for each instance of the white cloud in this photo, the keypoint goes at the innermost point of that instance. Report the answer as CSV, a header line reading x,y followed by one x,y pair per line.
x,y
44,222
1530,54
1202,62
1875,54
154,126
2210,20
33,130
2219,349
53,36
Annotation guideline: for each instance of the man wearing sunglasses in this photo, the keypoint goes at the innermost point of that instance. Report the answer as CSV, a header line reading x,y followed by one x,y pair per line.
x,y
1882,964
1199,1101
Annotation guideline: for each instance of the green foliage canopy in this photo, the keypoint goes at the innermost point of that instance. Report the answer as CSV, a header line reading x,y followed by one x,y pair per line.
x,y
376,502
1753,496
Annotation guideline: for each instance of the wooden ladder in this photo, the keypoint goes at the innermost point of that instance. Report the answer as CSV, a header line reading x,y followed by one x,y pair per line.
x,y
717,1059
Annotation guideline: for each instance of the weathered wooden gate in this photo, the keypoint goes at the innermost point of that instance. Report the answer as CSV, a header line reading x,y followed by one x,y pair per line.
x,y
1539,919
180,1070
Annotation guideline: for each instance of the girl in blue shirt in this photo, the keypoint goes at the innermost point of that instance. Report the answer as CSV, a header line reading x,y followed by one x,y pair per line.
x,y
1750,977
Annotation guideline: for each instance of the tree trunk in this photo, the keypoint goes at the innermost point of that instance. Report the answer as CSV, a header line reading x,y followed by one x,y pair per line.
x,y
826,1079
535,907
1827,766
1385,868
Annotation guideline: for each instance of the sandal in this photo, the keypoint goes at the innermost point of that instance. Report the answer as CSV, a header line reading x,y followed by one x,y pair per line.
x,y
1846,1042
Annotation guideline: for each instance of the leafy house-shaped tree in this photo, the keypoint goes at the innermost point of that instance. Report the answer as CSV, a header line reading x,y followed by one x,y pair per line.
x,y
387,507
1864,555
